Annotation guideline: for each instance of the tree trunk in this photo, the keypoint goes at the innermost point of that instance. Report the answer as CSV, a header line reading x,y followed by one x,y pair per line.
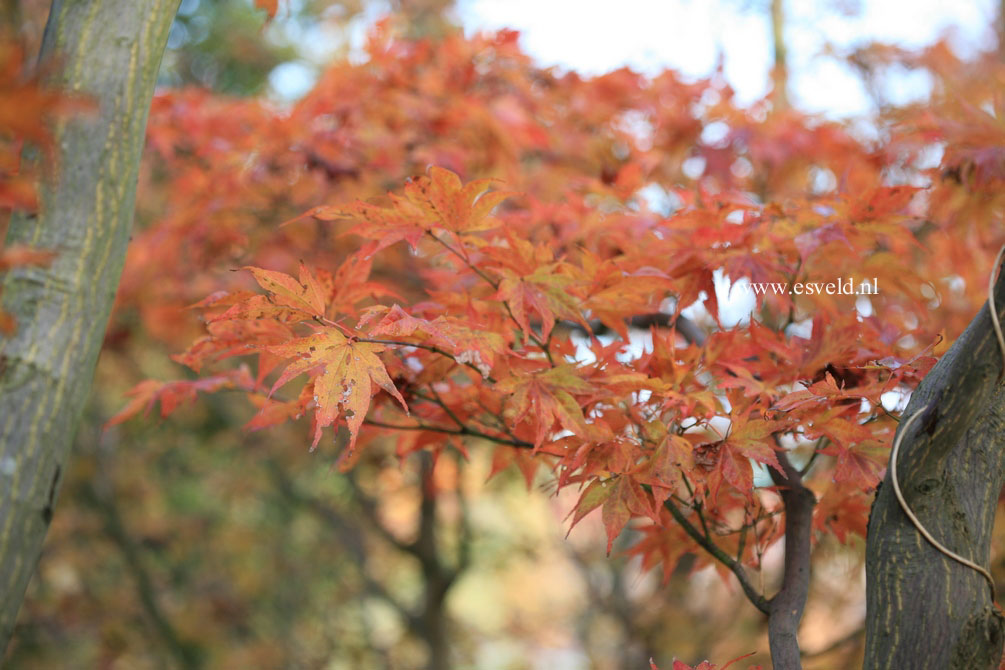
x,y
110,51
923,609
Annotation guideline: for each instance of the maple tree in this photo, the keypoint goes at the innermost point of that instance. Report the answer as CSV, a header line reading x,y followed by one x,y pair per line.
x,y
499,341
495,297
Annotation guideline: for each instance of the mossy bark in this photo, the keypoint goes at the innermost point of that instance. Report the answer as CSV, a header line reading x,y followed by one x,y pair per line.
x,y
110,52
925,610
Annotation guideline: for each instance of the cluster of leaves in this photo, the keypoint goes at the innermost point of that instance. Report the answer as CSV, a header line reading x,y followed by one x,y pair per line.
x,y
492,352
480,355
512,316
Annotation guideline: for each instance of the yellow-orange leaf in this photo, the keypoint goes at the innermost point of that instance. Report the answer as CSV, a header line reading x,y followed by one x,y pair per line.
x,y
546,397
436,202
306,295
343,386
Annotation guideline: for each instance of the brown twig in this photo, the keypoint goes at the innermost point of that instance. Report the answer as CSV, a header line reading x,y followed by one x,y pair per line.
x,y
758,600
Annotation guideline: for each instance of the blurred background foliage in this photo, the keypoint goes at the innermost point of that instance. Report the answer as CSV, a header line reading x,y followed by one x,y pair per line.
x,y
187,543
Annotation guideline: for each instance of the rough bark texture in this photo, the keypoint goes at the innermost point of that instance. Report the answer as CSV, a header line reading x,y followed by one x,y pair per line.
x,y
925,610
110,51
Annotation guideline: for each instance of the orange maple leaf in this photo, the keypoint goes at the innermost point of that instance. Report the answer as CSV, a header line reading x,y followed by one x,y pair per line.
x,y
307,295
347,368
546,397
171,394
429,204
545,292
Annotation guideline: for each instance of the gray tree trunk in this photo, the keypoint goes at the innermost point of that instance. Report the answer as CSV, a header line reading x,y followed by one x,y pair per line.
x,y
925,610
110,51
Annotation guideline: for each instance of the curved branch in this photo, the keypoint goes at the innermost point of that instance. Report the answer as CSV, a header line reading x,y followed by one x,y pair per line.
x,y
758,600
185,653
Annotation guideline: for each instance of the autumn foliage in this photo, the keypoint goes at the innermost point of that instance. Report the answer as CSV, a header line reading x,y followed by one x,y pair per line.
x,y
450,248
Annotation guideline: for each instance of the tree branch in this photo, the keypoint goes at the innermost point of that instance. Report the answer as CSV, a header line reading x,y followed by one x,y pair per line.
x,y
452,431
369,507
427,347
786,607
758,600
351,539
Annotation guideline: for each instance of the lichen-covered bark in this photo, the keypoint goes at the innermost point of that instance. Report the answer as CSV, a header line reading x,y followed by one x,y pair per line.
x,y
109,51
925,610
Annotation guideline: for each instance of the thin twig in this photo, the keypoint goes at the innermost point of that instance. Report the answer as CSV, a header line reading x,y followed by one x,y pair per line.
x,y
742,543
439,401
451,431
473,267
758,600
494,284
427,347
813,457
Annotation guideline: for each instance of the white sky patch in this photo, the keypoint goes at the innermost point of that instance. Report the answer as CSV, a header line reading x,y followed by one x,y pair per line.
x,y
895,401
689,36
659,200
292,80
736,300
595,36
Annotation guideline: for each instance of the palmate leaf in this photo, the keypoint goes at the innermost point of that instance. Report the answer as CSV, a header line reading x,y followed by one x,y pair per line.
x,y
453,206
470,346
306,295
439,202
345,371
704,665
288,299
546,397
172,394
545,292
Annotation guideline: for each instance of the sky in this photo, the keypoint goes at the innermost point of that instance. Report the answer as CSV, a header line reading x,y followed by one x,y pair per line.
x,y
592,37
689,35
